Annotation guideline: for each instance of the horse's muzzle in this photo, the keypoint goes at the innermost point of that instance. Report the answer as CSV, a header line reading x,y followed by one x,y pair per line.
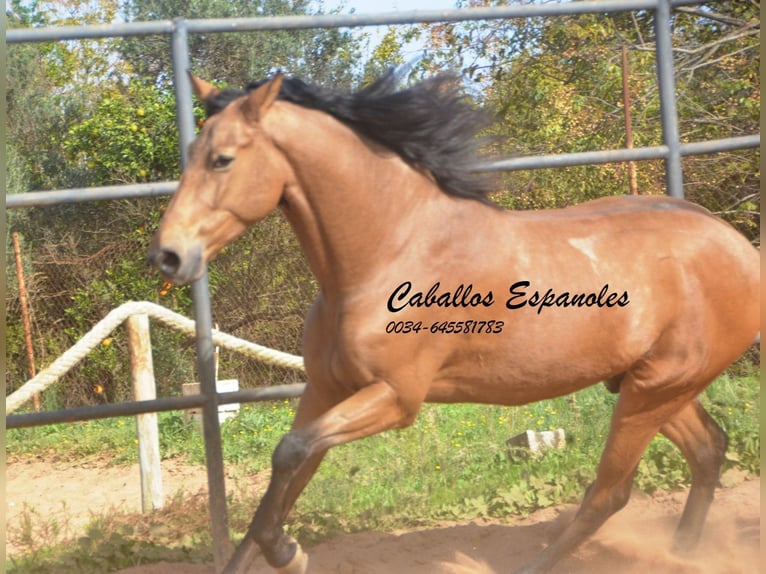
x,y
176,267
168,262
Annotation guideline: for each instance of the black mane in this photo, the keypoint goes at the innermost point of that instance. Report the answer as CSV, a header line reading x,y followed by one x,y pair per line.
x,y
430,124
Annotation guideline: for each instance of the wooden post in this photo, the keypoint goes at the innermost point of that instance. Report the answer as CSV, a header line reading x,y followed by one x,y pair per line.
x,y
23,301
144,388
632,181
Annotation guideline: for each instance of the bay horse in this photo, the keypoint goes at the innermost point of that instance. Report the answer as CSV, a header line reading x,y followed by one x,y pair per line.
x,y
429,292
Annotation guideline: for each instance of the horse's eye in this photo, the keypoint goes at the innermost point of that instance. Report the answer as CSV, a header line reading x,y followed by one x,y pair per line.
x,y
221,162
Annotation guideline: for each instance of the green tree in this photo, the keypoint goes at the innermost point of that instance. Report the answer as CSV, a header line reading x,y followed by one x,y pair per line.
x,y
237,58
129,136
51,85
83,115
719,91
556,86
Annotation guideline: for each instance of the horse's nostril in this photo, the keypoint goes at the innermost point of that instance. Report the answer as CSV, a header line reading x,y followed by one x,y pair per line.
x,y
168,262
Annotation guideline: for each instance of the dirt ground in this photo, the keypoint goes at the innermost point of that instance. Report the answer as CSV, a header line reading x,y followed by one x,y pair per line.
x,y
635,541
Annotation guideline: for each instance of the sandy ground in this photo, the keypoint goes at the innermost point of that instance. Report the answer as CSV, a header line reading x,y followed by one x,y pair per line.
x,y
635,541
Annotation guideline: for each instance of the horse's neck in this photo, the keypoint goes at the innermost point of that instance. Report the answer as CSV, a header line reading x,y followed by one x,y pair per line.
x,y
353,205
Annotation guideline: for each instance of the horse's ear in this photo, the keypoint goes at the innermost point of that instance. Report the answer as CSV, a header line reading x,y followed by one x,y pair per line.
x,y
202,89
260,100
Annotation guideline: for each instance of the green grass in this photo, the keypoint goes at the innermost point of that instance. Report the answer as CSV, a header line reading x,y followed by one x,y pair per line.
x,y
451,464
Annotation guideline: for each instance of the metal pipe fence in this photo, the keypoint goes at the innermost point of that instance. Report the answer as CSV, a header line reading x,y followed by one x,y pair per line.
x,y
259,23
130,408
670,151
135,191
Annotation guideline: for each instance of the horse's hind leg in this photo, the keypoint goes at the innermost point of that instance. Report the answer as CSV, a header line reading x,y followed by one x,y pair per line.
x,y
634,424
703,444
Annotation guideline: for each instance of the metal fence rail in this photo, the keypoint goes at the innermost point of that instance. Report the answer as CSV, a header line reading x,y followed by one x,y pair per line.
x,y
130,408
261,23
671,151
135,191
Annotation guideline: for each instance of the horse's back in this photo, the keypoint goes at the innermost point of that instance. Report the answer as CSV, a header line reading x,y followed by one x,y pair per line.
x,y
622,204
662,215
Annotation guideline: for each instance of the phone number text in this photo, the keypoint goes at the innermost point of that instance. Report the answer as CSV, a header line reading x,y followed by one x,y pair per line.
x,y
490,327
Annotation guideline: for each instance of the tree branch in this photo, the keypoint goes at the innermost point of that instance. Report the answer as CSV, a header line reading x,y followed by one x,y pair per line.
x,y
711,16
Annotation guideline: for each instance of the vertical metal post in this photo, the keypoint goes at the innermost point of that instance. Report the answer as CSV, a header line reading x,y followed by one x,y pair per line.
x,y
222,549
668,110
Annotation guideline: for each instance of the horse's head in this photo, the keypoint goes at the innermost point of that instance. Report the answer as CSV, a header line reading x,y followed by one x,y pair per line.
x,y
234,177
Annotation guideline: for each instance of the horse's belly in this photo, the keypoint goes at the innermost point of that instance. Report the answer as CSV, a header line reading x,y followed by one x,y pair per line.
x,y
514,386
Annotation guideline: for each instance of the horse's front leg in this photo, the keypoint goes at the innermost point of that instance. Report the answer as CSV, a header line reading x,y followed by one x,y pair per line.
x,y
310,408
371,410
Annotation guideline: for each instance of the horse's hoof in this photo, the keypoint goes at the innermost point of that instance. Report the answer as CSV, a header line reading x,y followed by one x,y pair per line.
x,y
298,564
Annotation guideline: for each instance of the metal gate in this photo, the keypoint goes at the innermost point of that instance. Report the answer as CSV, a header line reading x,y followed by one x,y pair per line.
x,y
671,151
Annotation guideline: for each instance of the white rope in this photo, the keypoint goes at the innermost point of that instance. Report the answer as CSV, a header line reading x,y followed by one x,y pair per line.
x,y
114,319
